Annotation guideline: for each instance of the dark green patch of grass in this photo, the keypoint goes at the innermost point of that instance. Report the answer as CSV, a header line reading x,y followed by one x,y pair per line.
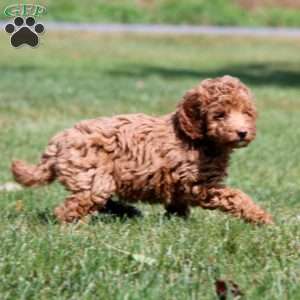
x,y
48,89
217,12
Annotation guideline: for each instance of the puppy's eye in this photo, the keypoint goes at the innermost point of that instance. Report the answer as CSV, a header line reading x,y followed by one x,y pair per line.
x,y
220,116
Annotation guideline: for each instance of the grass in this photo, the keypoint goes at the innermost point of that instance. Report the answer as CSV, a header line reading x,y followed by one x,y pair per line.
x,y
48,89
217,12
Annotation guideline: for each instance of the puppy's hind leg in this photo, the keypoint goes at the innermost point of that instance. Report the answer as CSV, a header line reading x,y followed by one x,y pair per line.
x,y
75,207
82,203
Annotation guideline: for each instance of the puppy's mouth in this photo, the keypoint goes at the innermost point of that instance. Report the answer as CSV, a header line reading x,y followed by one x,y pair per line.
x,y
239,143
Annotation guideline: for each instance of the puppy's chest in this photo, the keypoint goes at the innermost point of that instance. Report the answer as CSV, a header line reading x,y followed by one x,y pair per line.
x,y
212,170
206,172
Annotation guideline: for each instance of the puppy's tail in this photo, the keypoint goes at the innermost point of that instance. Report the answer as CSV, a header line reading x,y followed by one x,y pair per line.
x,y
36,175
33,175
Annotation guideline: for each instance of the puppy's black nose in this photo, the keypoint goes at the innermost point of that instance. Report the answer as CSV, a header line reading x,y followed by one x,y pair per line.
x,y
242,134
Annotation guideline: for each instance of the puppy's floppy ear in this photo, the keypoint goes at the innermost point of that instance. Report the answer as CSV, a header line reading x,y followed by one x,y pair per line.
x,y
190,115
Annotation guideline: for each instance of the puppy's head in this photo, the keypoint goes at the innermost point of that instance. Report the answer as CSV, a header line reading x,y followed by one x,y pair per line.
x,y
221,110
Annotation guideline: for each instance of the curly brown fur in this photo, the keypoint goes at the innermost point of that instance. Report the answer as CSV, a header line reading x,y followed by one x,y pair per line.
x,y
179,160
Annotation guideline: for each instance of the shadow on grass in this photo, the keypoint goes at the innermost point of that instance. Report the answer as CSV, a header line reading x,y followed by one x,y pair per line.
x,y
21,68
277,74
46,217
113,210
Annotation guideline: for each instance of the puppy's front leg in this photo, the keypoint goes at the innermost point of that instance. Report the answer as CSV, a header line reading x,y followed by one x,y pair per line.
x,y
236,203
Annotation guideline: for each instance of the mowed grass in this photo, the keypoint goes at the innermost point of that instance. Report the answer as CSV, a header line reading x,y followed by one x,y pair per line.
x,y
74,76
205,12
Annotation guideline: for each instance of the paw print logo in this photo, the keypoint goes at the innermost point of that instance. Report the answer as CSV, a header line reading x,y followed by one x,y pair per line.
x,y
24,32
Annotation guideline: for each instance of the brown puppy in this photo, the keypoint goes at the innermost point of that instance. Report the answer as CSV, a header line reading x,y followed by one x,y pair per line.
x,y
179,160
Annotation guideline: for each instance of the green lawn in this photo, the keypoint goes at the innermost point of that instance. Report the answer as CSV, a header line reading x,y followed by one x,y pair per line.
x,y
216,12
73,76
